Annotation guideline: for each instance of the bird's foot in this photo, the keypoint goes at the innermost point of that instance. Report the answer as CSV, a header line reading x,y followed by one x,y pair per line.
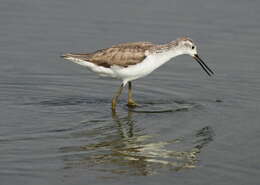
x,y
131,103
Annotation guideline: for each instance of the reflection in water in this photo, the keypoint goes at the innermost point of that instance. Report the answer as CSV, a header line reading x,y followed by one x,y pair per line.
x,y
128,150
161,106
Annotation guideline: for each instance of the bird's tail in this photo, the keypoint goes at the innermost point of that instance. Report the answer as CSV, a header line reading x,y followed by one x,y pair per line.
x,y
78,58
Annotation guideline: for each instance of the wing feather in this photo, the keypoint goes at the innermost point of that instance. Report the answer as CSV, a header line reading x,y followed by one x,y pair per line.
x,y
122,54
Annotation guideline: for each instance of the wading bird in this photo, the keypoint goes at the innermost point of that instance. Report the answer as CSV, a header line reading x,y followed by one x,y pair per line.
x,y
130,61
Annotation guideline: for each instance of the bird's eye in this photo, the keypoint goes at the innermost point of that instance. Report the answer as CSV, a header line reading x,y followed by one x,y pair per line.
x,y
192,47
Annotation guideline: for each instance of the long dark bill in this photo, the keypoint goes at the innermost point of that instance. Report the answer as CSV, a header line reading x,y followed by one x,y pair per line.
x,y
203,65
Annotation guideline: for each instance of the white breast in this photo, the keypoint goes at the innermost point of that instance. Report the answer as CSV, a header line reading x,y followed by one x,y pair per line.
x,y
148,65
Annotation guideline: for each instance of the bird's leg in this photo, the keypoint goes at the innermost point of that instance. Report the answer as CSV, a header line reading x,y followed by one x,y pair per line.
x,y
116,96
131,102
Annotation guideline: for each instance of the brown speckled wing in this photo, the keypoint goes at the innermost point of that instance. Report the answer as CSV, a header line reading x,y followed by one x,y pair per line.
x,y
122,54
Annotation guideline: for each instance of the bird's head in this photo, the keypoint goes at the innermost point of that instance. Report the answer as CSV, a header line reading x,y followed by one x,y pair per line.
x,y
186,46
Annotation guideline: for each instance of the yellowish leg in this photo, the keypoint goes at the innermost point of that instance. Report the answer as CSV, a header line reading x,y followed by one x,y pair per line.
x,y
131,102
115,98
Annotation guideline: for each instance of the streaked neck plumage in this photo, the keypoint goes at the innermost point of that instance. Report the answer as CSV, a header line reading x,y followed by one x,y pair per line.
x,y
164,52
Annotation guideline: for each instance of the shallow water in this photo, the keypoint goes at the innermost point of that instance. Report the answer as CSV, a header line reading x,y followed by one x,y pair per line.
x,y
56,123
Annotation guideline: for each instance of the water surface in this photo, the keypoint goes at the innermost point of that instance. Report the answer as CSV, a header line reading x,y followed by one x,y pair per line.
x,y
56,125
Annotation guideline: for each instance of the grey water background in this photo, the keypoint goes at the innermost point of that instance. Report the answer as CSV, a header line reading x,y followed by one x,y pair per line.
x,y
56,125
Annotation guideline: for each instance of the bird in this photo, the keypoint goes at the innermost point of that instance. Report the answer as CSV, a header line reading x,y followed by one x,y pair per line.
x,y
133,60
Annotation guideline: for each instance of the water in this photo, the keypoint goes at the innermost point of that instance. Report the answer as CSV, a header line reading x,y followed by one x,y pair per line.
x,y
56,125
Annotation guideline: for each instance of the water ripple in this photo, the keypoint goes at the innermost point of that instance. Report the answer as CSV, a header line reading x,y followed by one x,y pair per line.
x,y
129,150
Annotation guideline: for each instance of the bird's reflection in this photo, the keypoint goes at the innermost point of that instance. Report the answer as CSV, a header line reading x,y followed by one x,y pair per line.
x,y
127,149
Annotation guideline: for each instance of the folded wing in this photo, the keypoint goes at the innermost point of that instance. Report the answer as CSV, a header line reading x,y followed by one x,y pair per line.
x,y
121,55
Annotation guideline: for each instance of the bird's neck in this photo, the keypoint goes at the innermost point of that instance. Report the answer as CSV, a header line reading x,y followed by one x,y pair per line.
x,y
170,49
159,58
167,51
